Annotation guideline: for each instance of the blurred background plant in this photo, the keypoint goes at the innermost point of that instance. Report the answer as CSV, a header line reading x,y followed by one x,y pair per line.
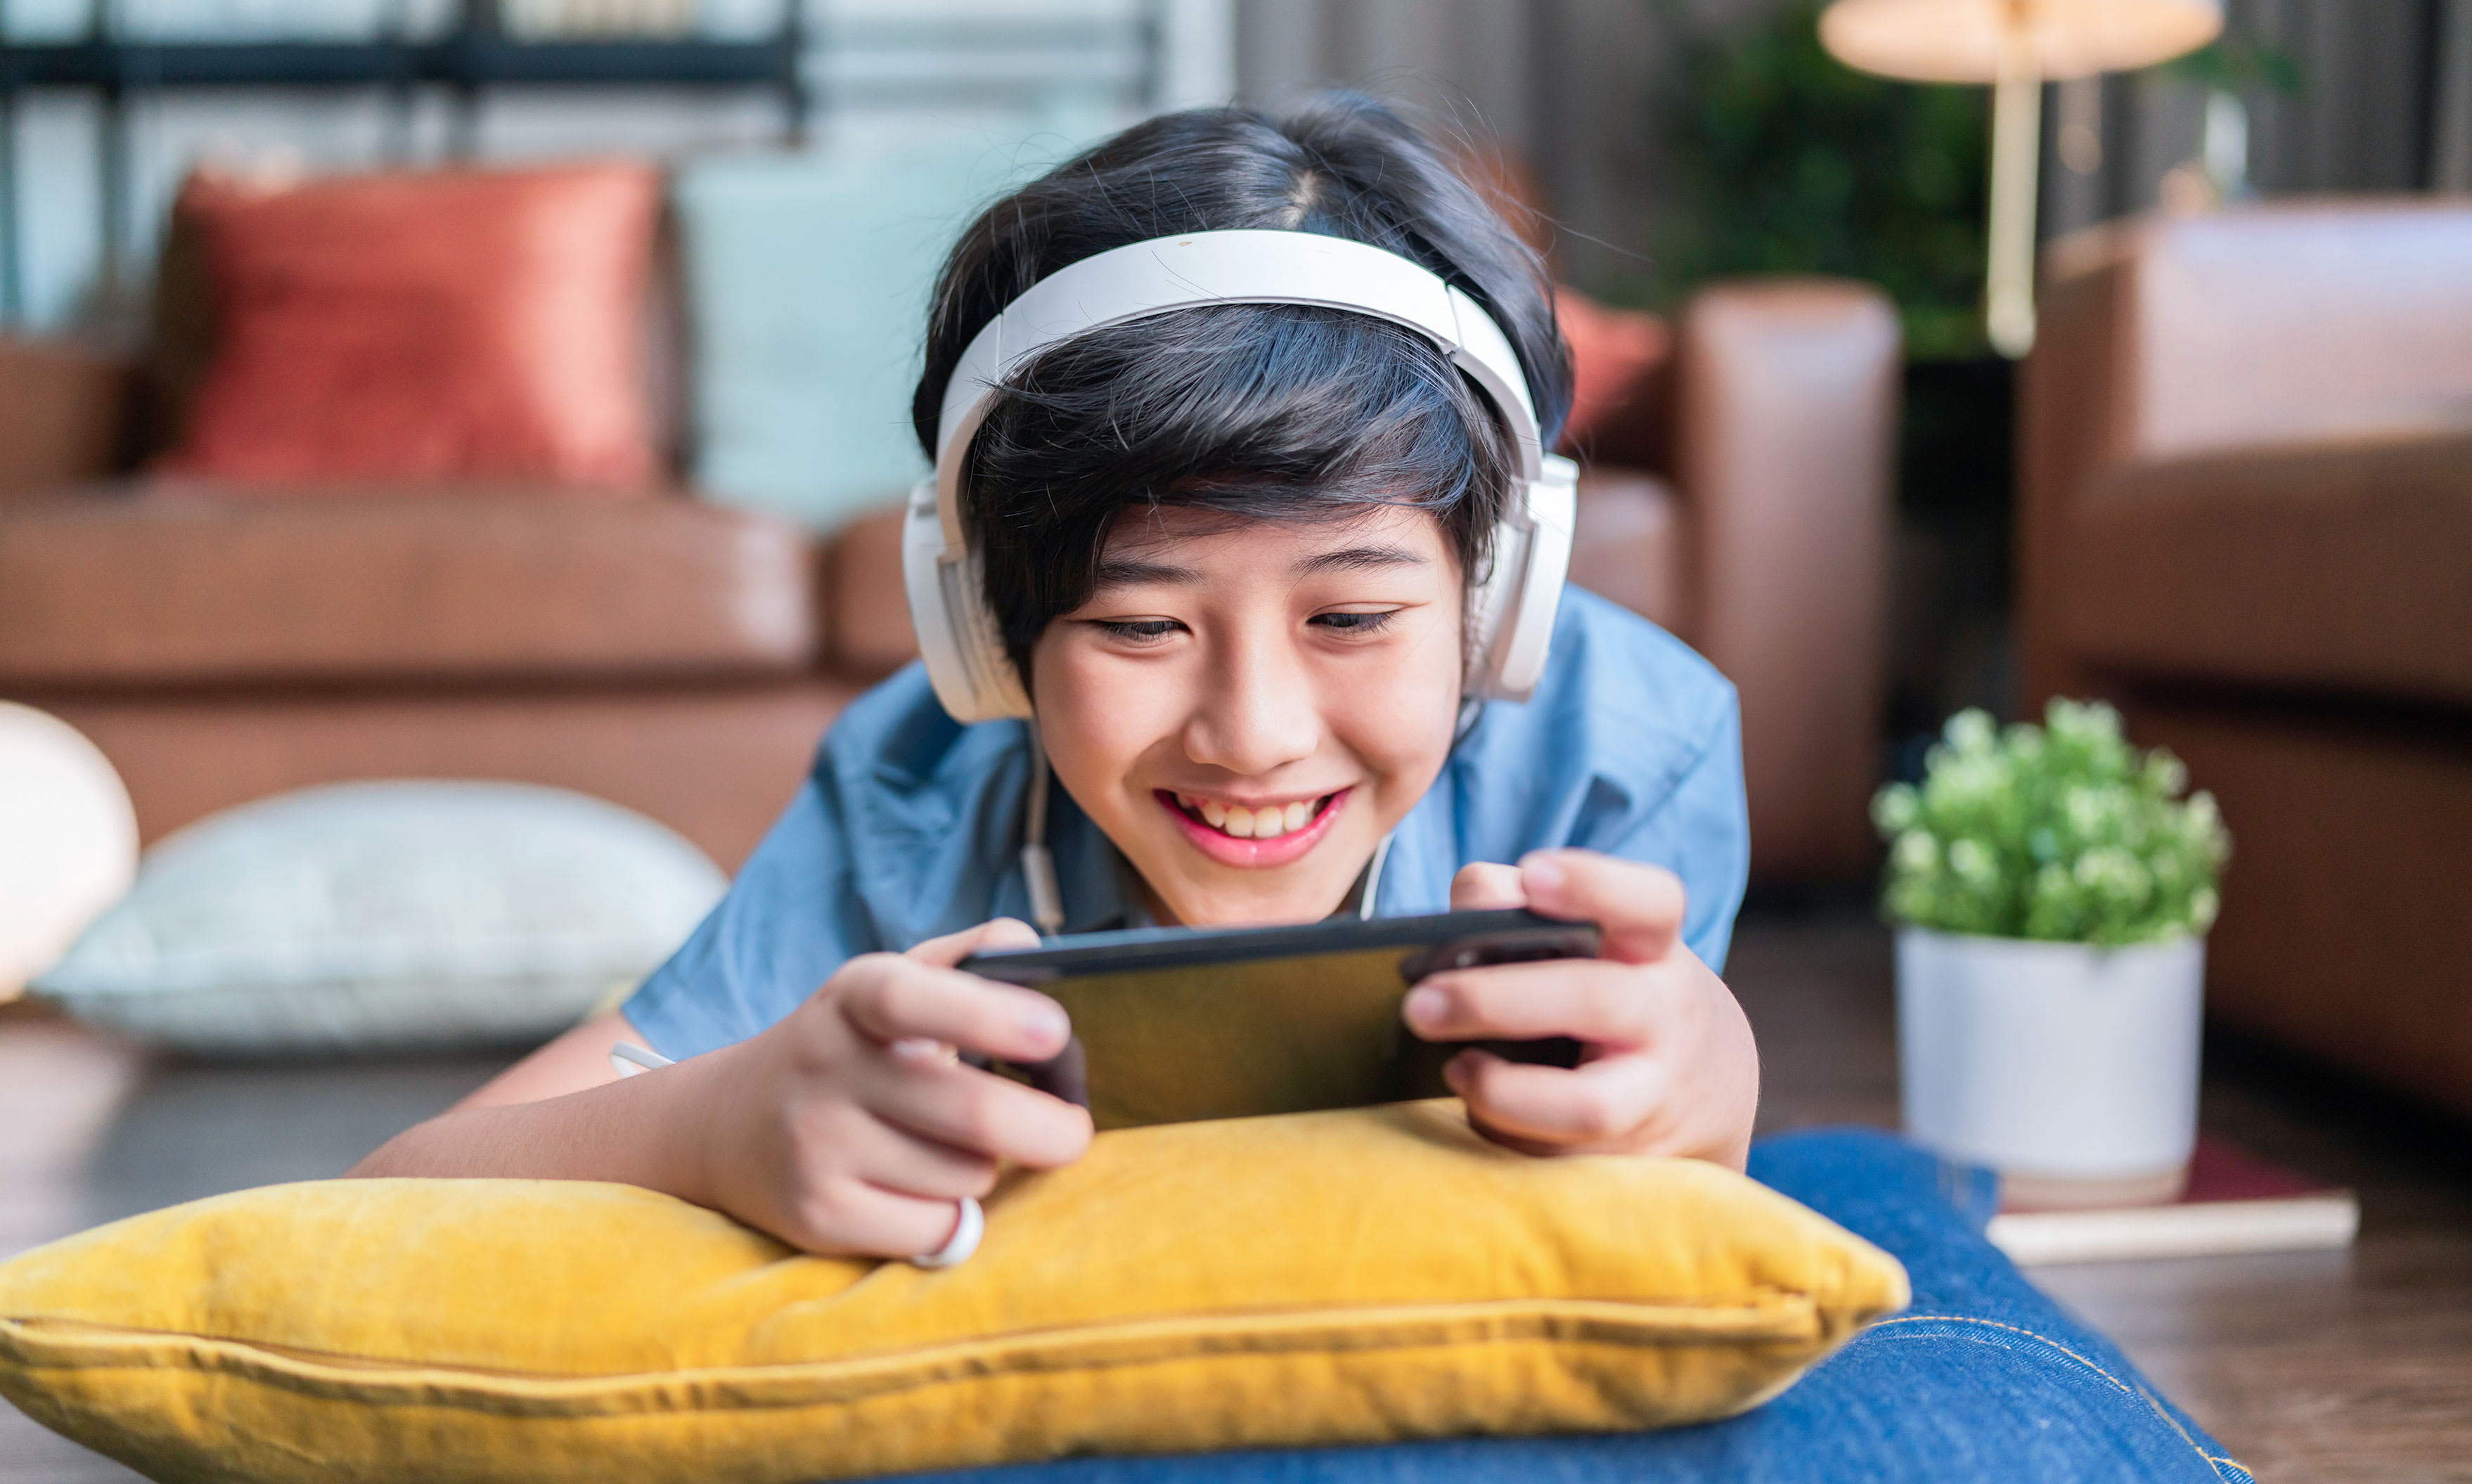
x,y
2233,73
2062,832
1782,159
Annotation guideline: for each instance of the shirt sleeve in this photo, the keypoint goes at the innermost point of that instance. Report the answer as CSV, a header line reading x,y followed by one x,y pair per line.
x,y
789,920
1700,828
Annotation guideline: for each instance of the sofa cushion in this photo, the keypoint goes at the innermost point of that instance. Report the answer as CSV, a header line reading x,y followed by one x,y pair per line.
x,y
807,277
103,591
2337,567
433,324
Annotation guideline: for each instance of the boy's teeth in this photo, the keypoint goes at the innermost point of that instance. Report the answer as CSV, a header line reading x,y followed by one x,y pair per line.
x,y
1246,823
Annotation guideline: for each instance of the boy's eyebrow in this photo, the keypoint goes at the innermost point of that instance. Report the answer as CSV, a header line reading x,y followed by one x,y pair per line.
x,y
1132,572
1357,558
1124,572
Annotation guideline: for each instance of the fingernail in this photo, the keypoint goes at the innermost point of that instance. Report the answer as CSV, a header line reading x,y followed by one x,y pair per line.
x,y
1542,871
1046,1019
1424,1006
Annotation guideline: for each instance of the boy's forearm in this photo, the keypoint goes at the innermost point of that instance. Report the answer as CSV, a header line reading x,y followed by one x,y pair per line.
x,y
639,1131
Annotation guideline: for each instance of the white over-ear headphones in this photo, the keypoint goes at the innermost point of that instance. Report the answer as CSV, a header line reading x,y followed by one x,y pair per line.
x,y
1514,612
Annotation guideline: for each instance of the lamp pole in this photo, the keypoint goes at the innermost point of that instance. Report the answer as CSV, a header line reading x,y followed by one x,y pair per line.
x,y
2016,171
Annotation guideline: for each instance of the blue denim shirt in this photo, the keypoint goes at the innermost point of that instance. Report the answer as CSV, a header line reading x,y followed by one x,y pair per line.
x,y
909,824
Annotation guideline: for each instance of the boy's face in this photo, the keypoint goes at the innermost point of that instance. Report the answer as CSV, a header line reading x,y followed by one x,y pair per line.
x,y
1246,707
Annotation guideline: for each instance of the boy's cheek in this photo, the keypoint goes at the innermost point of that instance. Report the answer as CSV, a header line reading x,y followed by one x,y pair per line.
x,y
1095,734
1401,711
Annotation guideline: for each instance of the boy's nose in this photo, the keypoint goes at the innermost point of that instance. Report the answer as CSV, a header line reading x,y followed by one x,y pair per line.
x,y
1258,712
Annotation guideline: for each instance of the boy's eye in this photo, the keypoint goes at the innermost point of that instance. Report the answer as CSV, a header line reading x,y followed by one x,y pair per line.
x,y
1354,622
1138,630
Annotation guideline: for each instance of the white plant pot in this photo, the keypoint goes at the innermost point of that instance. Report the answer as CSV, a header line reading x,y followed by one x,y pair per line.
x,y
2054,1063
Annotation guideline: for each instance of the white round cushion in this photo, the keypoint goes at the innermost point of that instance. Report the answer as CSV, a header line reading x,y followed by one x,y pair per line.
x,y
69,841
386,916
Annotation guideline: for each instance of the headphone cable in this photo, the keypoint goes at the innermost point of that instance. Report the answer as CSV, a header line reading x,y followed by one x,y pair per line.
x,y
1037,864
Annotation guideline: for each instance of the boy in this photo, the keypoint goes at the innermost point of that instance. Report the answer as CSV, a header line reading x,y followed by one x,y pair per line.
x,y
1232,557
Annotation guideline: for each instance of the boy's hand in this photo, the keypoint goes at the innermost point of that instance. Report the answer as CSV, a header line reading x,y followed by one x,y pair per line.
x,y
852,1126
1667,1065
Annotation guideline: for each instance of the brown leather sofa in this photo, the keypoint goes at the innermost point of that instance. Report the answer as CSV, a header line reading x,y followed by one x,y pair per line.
x,y
682,658
2248,520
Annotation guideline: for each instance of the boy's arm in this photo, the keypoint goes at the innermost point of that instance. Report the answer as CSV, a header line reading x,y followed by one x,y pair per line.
x,y
575,1061
553,1115
850,1127
533,1120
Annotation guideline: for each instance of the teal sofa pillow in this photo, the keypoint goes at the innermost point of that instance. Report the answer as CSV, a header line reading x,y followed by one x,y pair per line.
x,y
807,277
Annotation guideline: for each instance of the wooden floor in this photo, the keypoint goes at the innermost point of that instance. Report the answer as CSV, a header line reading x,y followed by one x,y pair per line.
x,y
2349,1366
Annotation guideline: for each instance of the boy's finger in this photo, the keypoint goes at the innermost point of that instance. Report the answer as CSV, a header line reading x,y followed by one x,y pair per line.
x,y
1599,1103
1483,885
989,937
1637,907
851,1216
980,1113
902,1001
1587,998
895,1159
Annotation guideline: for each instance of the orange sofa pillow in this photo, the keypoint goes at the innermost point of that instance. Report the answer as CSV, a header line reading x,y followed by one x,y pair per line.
x,y
425,326
1614,354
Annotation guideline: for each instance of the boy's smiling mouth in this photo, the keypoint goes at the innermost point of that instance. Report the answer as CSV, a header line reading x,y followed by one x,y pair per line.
x,y
1272,832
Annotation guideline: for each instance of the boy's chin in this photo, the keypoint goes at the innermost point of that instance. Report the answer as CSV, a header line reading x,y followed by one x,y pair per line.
x,y
1218,896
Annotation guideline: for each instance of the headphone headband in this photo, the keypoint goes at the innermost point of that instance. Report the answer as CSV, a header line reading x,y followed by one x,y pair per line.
x,y
958,636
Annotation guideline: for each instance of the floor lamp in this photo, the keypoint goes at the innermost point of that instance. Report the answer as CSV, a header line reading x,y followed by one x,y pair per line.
x,y
2016,46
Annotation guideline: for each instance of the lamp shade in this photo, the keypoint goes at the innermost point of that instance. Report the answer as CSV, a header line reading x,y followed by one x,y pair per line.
x,y
69,841
1967,41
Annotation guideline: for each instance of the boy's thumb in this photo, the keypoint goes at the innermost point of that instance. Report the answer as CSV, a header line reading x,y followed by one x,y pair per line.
x,y
988,937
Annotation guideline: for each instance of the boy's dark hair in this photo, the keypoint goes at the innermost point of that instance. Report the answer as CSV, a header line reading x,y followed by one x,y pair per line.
x,y
1257,410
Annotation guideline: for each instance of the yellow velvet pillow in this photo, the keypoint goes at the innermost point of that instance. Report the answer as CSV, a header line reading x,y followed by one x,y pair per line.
x,y
1318,1278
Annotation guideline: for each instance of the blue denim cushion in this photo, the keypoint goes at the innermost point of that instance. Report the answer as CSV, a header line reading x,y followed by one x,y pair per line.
x,y
1982,1378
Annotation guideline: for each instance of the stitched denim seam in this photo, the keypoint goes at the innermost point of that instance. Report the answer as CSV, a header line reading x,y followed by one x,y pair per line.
x,y
2212,1463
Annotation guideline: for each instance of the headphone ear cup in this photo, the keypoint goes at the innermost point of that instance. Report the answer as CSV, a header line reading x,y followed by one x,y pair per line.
x,y
1516,606
957,636
1489,606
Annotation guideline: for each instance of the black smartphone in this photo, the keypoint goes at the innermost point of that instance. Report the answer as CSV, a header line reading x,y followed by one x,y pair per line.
x,y
1174,1023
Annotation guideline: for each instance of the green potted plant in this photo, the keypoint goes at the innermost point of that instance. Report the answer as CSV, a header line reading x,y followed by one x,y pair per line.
x,y
2052,891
